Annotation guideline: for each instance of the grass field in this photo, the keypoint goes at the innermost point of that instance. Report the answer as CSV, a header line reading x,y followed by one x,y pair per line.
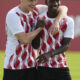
x,y
73,59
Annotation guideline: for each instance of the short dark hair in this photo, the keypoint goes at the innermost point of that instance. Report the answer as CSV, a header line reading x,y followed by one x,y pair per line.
x,y
46,1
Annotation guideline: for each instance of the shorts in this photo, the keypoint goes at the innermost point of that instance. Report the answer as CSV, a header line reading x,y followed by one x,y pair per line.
x,y
53,73
41,73
26,74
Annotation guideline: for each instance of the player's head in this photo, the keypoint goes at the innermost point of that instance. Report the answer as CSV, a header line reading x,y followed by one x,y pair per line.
x,y
53,5
28,4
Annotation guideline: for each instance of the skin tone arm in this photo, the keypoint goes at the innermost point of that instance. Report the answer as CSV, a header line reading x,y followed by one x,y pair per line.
x,y
44,57
26,38
62,13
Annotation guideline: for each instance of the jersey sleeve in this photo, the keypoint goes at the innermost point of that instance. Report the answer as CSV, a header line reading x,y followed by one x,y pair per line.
x,y
70,29
14,24
41,8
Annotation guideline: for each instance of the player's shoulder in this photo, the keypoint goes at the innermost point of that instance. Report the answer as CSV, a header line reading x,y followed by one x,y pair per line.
x,y
12,15
12,12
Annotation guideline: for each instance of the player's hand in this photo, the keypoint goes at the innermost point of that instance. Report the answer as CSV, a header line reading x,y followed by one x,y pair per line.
x,y
43,58
54,28
40,23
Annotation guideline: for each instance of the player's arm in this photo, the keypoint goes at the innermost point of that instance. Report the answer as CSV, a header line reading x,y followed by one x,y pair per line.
x,y
36,41
62,13
43,58
14,25
26,38
63,48
32,36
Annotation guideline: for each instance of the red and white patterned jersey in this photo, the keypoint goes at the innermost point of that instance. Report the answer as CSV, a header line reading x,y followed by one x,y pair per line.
x,y
19,56
51,42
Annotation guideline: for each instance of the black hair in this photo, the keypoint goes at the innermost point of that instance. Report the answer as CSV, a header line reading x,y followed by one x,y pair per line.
x,y
46,1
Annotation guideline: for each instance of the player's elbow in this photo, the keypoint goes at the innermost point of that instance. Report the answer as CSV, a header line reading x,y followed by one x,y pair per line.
x,y
63,9
22,38
25,42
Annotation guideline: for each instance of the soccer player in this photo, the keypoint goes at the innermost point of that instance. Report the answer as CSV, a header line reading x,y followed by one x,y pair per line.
x,y
20,56
52,64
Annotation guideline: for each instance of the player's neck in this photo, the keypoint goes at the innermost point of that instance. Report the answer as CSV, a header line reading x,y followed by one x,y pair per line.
x,y
52,15
23,9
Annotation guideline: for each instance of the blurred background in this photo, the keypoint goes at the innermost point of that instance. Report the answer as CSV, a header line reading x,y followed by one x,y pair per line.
x,y
73,54
74,12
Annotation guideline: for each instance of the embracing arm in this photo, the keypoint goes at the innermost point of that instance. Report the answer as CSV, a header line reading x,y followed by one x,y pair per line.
x,y
26,38
62,13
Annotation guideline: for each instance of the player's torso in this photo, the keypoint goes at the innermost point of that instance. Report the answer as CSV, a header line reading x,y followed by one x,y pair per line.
x,y
51,42
19,56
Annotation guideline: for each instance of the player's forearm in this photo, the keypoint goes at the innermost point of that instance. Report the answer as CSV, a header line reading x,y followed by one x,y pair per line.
x,y
36,42
32,35
63,48
26,38
62,13
60,50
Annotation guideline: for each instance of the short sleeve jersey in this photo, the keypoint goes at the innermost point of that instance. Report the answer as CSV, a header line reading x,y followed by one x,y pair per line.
x,y
19,56
51,42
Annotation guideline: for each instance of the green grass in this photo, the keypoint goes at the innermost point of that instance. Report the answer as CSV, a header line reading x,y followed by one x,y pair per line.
x,y
73,60
1,63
